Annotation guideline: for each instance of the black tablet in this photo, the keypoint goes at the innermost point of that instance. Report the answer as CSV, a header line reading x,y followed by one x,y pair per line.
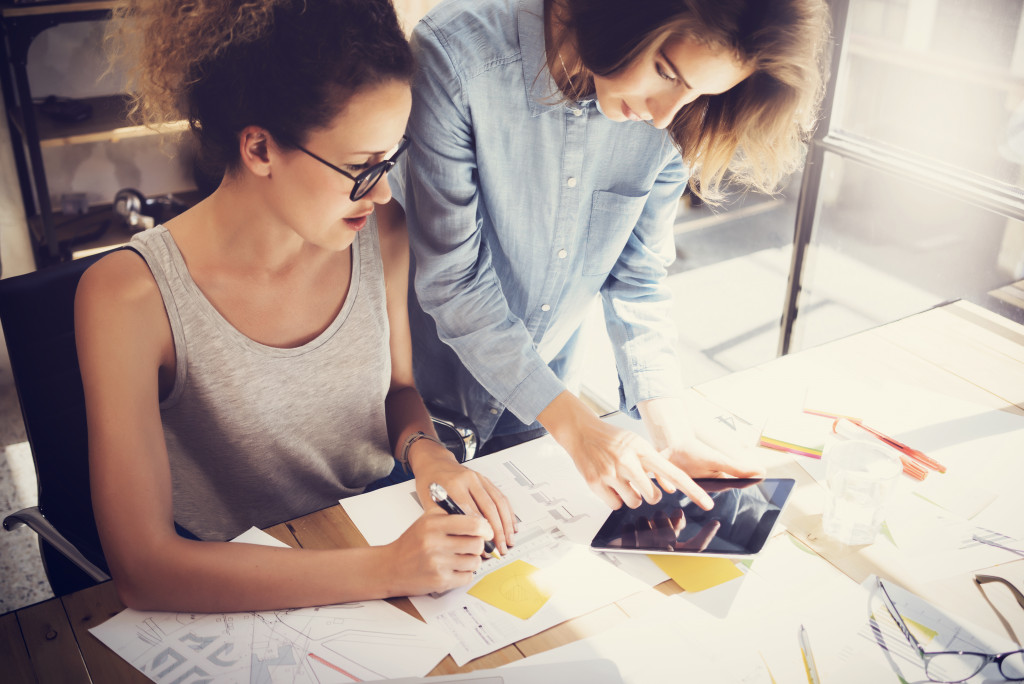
x,y
740,523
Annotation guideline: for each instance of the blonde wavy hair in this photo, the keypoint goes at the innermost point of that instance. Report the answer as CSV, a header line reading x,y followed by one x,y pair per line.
x,y
754,133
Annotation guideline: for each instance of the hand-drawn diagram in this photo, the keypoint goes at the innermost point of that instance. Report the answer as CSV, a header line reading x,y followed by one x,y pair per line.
x,y
570,580
556,504
343,643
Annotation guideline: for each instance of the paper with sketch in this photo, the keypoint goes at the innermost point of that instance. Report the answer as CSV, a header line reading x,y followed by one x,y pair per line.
x,y
570,580
932,542
543,486
342,643
558,516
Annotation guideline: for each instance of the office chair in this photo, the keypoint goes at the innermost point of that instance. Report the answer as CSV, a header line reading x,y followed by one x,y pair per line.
x,y
37,314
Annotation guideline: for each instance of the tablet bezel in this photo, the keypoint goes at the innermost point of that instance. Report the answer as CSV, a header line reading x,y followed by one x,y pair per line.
x,y
780,495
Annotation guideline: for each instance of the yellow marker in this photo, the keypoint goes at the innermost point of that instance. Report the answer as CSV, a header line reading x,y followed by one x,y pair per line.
x,y
805,651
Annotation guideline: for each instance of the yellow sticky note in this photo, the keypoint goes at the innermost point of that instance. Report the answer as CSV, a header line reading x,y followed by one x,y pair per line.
x,y
694,573
513,589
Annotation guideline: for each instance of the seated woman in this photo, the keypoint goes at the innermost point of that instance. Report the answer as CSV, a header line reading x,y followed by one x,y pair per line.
x,y
250,361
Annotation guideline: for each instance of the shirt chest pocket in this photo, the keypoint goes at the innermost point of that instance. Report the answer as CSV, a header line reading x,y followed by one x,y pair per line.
x,y
612,219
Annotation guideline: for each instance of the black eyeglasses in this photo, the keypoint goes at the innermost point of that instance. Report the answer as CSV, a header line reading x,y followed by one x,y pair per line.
x,y
957,666
365,181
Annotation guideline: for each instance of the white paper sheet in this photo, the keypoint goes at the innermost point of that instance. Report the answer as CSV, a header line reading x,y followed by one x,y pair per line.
x,y
577,579
673,643
877,651
689,637
852,637
931,523
342,643
558,516
543,486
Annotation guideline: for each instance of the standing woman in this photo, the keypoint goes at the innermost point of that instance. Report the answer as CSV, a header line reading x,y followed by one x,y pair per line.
x,y
551,141
250,361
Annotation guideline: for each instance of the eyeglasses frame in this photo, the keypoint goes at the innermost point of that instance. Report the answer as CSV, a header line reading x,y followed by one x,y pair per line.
x,y
926,656
985,579
380,168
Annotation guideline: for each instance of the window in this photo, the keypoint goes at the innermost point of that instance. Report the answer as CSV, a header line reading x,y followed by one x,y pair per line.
x,y
913,190
912,195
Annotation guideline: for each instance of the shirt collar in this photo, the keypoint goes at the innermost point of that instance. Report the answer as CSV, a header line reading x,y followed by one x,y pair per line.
x,y
542,93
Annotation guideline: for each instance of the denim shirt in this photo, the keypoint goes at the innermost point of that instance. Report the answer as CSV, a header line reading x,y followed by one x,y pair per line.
x,y
522,210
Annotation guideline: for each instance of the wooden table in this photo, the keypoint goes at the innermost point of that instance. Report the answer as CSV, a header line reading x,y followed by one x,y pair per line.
x,y
960,349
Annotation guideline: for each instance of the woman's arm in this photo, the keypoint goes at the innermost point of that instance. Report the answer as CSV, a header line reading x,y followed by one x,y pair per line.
x,y
639,317
125,347
676,438
456,282
406,414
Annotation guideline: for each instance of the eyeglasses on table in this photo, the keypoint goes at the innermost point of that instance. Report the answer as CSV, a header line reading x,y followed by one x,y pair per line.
x,y
959,666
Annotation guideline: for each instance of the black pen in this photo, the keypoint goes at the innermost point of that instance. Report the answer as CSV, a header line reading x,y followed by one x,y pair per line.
x,y
441,498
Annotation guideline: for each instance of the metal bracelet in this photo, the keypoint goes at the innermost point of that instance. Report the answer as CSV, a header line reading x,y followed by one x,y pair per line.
x,y
409,441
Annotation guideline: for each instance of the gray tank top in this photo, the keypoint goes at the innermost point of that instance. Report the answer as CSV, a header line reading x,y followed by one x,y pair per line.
x,y
257,435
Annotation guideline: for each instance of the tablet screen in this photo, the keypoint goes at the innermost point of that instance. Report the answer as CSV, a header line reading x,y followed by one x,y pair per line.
x,y
740,523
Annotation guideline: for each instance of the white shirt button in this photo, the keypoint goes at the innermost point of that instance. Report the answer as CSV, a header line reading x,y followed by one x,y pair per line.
x,y
577,112
562,254
545,307
494,412
571,182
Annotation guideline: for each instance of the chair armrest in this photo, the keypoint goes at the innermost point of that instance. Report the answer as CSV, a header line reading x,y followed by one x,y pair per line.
x,y
34,519
455,430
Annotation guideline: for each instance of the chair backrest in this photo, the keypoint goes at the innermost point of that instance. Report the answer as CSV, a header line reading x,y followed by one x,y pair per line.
x,y
37,313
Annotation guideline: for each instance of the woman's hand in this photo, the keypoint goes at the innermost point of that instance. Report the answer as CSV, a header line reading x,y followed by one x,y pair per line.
x,y
702,460
667,422
616,463
475,494
437,553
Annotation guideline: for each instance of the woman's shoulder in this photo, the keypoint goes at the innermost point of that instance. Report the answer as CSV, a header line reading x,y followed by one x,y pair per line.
x,y
475,32
121,279
454,16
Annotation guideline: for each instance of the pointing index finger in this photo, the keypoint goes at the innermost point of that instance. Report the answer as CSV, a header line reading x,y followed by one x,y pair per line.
x,y
670,474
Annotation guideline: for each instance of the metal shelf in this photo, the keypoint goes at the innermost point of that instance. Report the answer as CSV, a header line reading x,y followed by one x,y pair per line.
x,y
109,123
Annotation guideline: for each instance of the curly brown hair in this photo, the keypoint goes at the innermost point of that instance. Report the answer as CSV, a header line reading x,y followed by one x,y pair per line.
x,y
755,131
286,65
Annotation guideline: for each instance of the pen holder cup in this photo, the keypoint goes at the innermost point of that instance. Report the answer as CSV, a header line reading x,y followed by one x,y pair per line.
x,y
860,475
